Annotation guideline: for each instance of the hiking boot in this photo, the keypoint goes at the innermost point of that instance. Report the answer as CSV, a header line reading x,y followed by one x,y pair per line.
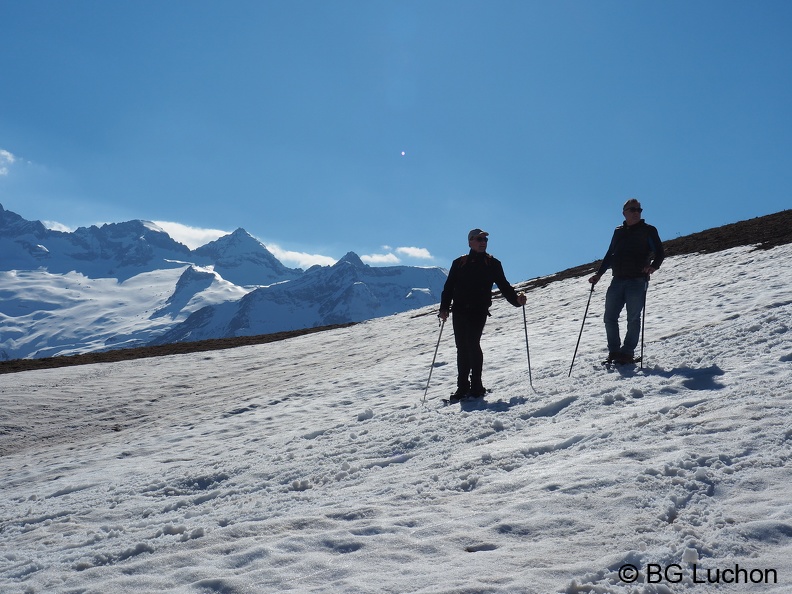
x,y
460,393
624,359
477,391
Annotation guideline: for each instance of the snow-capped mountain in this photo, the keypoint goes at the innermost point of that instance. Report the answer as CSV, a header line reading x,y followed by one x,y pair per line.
x,y
122,250
128,284
241,259
117,250
348,291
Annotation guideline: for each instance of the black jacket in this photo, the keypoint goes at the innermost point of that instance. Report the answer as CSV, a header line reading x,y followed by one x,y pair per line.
x,y
632,249
470,280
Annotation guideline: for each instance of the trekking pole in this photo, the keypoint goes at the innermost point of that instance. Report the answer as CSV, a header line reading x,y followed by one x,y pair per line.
x,y
527,350
581,329
442,325
643,321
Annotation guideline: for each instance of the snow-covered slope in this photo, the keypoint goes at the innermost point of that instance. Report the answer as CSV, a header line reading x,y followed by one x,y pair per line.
x,y
311,465
127,284
45,314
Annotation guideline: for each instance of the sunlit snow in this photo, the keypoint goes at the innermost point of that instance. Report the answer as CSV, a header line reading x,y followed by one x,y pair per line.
x,y
310,465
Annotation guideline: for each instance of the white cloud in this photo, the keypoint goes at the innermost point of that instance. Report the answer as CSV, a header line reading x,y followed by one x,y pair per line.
x,y
380,259
299,259
56,226
392,258
192,237
415,252
6,159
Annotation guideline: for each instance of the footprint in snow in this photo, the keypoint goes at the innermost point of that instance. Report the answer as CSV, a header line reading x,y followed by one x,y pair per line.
x,y
481,547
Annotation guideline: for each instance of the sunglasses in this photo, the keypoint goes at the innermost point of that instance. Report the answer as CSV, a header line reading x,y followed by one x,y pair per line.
x,y
482,238
633,209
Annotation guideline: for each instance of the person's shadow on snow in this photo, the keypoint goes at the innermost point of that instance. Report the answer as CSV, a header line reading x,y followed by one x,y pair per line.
x,y
497,406
695,379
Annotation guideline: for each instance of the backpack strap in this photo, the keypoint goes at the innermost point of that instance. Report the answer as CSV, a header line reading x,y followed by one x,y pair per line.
x,y
464,259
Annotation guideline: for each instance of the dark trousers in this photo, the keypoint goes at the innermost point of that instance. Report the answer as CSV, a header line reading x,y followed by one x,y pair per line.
x,y
468,328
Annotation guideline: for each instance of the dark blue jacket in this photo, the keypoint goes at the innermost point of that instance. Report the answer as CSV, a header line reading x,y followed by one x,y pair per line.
x,y
632,249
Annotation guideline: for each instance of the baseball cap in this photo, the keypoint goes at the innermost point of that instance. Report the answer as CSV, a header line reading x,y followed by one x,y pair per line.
x,y
475,233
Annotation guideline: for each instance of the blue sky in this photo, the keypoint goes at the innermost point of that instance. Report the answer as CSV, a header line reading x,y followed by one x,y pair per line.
x,y
392,128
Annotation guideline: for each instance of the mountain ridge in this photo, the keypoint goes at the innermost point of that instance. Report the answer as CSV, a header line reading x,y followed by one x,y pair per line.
x,y
104,251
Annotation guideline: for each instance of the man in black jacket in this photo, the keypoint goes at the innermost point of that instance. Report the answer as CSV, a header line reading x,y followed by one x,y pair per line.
x,y
469,288
635,252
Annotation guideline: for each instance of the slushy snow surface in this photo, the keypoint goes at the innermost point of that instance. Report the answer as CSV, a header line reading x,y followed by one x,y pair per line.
x,y
312,465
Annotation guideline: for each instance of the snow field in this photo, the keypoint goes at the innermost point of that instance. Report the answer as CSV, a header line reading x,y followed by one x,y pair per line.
x,y
311,465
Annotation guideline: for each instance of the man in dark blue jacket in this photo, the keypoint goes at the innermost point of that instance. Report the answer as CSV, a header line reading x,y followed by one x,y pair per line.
x,y
635,252
469,287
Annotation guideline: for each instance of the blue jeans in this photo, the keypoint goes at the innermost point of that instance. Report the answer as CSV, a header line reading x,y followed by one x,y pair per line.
x,y
632,293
